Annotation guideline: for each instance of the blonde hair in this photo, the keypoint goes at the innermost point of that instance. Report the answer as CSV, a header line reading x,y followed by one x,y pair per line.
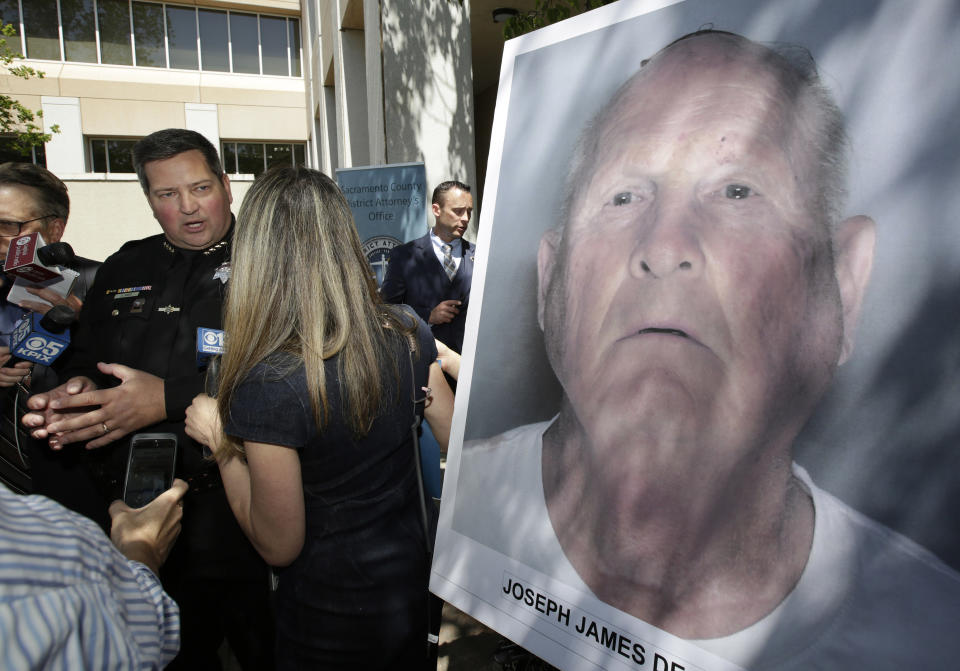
x,y
301,285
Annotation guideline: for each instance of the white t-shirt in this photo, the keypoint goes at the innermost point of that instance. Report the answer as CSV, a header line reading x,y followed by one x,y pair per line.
x,y
869,598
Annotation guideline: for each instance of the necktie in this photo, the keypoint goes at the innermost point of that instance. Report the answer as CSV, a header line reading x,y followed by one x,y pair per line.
x,y
448,264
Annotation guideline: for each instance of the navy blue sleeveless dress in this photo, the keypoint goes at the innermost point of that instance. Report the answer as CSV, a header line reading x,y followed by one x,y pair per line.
x,y
356,597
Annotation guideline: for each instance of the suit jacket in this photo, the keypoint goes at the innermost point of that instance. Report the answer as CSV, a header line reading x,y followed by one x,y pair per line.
x,y
416,277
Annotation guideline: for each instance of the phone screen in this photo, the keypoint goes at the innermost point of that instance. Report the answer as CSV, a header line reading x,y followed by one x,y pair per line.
x,y
149,468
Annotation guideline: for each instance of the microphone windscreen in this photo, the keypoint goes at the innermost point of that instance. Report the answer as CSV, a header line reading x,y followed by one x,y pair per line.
x,y
212,381
58,319
57,254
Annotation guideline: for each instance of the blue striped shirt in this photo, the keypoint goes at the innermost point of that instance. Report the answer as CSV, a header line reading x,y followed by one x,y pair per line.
x,y
70,600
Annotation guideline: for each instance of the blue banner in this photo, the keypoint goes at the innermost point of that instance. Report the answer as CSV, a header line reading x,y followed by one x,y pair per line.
x,y
389,204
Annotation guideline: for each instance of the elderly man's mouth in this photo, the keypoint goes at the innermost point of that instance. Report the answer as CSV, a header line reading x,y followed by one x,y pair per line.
x,y
674,332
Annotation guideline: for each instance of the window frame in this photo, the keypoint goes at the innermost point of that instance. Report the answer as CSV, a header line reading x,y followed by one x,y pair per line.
x,y
292,33
38,154
233,170
89,140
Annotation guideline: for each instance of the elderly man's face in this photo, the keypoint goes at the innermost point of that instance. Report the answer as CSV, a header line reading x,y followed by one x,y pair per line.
x,y
693,298
22,203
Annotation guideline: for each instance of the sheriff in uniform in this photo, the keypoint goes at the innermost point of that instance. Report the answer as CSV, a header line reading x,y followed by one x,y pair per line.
x,y
135,369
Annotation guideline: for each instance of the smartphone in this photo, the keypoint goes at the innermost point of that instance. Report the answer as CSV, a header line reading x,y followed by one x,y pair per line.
x,y
150,467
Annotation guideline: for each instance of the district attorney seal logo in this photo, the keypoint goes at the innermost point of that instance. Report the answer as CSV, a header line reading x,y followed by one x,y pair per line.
x,y
377,250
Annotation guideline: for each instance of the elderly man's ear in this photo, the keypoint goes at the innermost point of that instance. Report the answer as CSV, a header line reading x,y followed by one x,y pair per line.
x,y
54,230
546,262
853,244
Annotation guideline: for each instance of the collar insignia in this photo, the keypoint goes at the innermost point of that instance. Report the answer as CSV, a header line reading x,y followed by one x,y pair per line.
x,y
219,245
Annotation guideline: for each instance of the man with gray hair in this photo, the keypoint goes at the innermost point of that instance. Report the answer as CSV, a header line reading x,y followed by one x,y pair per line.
x,y
695,302
34,200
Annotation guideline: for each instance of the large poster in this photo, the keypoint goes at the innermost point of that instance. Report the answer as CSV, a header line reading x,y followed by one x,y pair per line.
x,y
389,207
708,412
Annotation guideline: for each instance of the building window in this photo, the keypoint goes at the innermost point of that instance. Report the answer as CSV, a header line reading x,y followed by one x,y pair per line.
x,y
244,38
40,26
148,37
154,34
9,153
214,40
110,155
256,157
293,40
182,37
113,17
273,45
79,30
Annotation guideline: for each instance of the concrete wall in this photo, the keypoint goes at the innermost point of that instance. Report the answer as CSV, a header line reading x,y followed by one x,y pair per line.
x,y
123,101
400,83
428,87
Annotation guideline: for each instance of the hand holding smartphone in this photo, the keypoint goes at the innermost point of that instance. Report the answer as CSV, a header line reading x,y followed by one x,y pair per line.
x,y
150,467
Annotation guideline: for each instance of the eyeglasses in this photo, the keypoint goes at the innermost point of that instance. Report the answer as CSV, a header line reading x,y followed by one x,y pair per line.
x,y
11,229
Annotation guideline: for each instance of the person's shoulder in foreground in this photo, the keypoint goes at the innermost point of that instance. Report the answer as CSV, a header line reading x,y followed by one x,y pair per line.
x,y
70,600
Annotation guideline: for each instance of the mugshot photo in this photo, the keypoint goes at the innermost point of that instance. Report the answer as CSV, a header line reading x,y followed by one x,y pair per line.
x,y
708,418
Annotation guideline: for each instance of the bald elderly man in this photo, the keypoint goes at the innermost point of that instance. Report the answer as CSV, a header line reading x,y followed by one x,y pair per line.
x,y
696,299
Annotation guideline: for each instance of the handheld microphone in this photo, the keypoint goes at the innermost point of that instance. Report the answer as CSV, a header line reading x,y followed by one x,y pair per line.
x,y
24,261
41,339
33,263
209,349
57,254
209,344
211,385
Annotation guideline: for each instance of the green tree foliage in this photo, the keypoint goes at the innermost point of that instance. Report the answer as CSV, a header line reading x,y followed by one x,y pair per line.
x,y
20,122
546,12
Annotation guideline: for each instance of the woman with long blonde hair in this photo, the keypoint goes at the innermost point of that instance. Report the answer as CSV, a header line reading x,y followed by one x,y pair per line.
x,y
318,392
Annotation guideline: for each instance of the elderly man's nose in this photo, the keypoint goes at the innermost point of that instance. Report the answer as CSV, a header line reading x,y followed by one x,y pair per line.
x,y
670,244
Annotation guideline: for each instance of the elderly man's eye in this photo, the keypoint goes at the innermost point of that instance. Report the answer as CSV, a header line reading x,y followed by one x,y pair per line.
x,y
738,191
623,198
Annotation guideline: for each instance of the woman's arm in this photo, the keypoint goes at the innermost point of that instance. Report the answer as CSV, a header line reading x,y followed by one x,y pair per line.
x,y
439,409
265,492
266,496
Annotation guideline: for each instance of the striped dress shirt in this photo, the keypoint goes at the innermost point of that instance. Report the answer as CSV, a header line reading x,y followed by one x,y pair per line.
x,y
70,600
